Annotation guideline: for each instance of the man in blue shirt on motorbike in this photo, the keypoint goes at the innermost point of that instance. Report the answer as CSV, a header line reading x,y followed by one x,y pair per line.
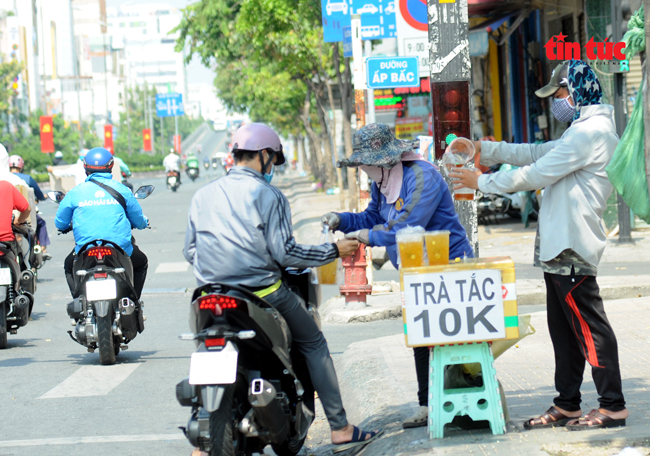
x,y
95,214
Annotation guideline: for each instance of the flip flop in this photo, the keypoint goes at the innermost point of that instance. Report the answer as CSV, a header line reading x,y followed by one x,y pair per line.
x,y
551,418
594,420
358,439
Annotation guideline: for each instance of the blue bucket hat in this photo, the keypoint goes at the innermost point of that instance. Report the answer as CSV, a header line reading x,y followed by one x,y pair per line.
x,y
375,145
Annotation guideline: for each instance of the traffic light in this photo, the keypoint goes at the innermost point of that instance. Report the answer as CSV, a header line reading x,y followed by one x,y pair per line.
x,y
450,101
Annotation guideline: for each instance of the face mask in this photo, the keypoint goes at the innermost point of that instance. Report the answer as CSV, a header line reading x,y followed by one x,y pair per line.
x,y
563,110
269,177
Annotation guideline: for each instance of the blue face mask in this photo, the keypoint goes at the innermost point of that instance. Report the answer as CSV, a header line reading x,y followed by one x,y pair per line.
x,y
269,177
563,110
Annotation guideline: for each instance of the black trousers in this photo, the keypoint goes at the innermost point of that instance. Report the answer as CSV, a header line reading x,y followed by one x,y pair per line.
x,y
422,372
580,331
138,260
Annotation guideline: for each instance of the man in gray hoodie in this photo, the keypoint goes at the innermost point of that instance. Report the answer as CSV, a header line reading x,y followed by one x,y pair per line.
x,y
570,239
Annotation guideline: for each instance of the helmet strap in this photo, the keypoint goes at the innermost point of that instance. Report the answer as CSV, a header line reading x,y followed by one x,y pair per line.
x,y
261,155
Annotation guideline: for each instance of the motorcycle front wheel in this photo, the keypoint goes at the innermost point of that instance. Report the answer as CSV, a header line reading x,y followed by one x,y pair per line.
x,y
105,340
3,325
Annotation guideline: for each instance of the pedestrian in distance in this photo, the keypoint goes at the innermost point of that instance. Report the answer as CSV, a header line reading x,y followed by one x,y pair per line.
x,y
406,191
239,233
570,240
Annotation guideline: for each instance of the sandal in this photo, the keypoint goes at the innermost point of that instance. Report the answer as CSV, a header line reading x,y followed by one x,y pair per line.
x,y
594,420
551,418
358,439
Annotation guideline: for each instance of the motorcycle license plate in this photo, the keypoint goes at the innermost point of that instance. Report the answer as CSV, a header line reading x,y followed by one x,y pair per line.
x,y
214,368
5,276
172,181
99,290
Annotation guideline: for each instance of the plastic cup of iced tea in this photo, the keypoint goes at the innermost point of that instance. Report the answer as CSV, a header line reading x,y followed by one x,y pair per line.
x,y
437,243
411,249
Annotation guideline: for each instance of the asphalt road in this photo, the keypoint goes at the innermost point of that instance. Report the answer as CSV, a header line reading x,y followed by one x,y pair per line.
x,y
56,399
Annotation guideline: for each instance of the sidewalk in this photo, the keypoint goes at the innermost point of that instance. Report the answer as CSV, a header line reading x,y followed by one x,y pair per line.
x,y
379,388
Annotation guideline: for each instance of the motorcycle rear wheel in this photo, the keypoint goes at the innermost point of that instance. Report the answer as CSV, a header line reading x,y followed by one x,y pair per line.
x,y
3,325
105,340
225,439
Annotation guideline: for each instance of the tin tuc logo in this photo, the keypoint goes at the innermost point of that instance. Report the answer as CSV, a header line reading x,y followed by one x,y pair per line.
x,y
558,49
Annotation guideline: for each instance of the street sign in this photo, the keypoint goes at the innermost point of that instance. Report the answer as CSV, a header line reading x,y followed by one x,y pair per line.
x,y
452,307
169,105
347,41
391,72
336,15
377,18
412,31
47,134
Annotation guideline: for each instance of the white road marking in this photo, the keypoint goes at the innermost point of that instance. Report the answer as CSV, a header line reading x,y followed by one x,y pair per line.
x,y
172,267
91,381
95,439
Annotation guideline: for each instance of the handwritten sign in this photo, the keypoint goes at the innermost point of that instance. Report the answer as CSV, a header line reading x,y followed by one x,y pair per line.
x,y
452,307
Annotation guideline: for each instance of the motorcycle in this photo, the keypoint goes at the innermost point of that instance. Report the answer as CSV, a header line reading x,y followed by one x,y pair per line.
x,y
126,182
206,165
193,173
106,312
248,387
173,180
17,283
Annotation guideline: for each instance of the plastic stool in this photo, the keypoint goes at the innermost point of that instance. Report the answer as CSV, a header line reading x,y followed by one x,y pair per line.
x,y
479,403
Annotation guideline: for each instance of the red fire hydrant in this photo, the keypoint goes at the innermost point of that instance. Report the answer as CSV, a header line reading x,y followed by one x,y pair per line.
x,y
356,287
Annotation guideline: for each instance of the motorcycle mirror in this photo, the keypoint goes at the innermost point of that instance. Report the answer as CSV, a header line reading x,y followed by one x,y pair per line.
x,y
57,197
144,191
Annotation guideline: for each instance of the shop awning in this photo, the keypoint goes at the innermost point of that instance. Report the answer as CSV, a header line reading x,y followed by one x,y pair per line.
x,y
491,25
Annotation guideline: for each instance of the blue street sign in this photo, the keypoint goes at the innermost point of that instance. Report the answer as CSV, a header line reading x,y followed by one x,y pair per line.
x,y
347,41
377,18
169,105
392,72
336,15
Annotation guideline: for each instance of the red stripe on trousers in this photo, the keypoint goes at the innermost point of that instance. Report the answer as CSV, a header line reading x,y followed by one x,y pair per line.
x,y
590,351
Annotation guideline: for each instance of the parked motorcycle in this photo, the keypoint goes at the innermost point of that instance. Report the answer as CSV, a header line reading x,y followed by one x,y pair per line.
x,y
106,313
248,387
17,282
173,180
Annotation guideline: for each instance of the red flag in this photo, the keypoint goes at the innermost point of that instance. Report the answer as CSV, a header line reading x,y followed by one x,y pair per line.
x,y
47,135
177,143
146,139
108,138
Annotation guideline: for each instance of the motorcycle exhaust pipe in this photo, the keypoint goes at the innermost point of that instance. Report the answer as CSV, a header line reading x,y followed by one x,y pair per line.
x,y
127,307
268,411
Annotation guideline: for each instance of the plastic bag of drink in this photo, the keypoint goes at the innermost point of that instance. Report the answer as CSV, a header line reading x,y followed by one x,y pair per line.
x,y
331,273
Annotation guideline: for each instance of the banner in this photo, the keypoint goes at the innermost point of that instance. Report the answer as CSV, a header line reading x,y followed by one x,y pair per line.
x,y
108,138
146,139
177,144
47,135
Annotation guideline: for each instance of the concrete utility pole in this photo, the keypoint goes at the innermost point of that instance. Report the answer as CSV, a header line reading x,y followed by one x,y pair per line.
x,y
75,65
646,90
450,77
624,223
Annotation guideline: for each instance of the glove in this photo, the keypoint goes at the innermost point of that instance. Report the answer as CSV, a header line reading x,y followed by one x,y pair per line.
x,y
362,236
331,219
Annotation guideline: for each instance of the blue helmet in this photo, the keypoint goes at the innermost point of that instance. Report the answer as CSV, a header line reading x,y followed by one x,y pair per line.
x,y
98,160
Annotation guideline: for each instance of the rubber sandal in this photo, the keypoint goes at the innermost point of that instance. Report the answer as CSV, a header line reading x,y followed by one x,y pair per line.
x,y
358,439
552,418
594,420
418,419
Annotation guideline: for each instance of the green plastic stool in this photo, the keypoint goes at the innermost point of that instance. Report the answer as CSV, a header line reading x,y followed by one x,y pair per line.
x,y
479,403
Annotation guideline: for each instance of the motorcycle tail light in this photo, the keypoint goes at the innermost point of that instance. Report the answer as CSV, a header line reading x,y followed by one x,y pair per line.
x,y
101,275
218,303
2,253
99,252
219,342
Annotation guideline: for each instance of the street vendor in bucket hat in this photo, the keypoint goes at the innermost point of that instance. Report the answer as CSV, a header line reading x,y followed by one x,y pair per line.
x,y
406,191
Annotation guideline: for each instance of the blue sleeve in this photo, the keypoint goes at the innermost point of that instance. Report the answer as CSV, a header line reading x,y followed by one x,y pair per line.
x,y
133,210
423,195
37,190
63,218
367,219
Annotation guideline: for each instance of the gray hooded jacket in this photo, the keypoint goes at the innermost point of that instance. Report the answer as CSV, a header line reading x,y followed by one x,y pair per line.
x,y
572,170
239,232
